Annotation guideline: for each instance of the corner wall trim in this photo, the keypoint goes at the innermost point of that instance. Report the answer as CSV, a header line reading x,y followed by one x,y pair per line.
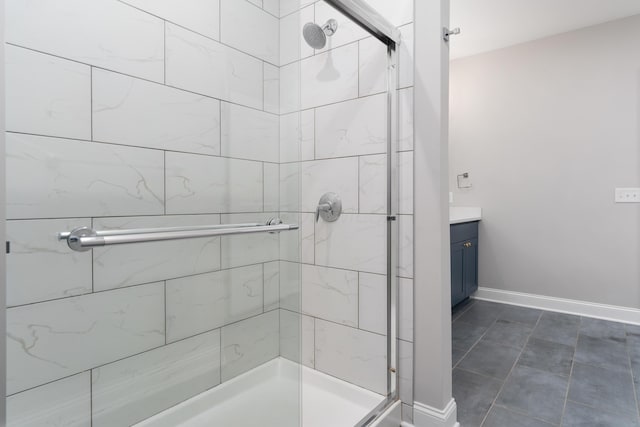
x,y
428,416
581,308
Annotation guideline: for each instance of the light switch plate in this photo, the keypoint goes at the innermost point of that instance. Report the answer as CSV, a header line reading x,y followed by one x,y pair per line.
x,y
627,195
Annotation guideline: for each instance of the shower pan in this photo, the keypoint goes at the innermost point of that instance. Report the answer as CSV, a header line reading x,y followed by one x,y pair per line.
x,y
190,239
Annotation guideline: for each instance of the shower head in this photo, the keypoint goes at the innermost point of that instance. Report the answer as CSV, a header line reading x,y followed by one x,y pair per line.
x,y
316,36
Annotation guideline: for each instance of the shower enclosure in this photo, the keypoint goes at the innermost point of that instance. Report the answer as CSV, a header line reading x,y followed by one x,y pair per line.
x,y
202,213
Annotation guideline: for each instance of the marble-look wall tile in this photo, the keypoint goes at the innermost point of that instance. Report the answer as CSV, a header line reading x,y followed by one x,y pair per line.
x,y
405,242
250,343
290,88
296,337
291,242
136,48
405,172
205,184
356,356
271,285
329,77
271,88
35,105
405,57
201,16
126,265
56,339
249,248
205,66
249,133
61,403
250,30
339,176
352,128
330,294
290,186
373,303
133,389
272,6
136,112
373,184
405,119
398,12
292,45
59,178
405,309
349,31
354,242
374,62
405,371
297,136
271,187
289,6
61,272
290,286
204,302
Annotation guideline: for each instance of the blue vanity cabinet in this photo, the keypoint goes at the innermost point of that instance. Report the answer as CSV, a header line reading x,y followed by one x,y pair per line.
x,y
464,261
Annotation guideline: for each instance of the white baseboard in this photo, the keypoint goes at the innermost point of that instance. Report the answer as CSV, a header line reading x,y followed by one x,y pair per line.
x,y
427,416
581,308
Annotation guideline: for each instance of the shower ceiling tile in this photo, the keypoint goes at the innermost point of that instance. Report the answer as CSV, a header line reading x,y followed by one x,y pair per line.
x,y
67,401
250,29
355,242
54,178
197,304
249,344
352,128
127,265
205,184
329,77
61,271
135,48
35,105
330,294
56,339
136,388
202,16
334,175
131,111
202,65
250,134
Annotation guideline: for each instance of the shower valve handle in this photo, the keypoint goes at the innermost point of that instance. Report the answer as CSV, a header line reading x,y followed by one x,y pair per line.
x,y
329,207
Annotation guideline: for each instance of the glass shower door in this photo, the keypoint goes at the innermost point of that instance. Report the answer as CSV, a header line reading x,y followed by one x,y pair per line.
x,y
142,123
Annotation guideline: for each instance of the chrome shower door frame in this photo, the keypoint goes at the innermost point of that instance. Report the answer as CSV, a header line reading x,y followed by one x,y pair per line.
x,y
370,20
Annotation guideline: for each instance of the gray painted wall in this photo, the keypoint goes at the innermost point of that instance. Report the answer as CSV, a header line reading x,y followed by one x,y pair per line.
x,y
547,130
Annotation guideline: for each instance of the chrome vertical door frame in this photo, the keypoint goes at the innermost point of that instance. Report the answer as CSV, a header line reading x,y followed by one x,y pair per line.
x,y
3,272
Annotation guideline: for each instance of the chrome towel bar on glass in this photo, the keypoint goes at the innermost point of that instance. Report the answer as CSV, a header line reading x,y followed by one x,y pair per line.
x,y
84,238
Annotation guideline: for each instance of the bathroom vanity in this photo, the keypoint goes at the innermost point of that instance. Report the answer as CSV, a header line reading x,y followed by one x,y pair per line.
x,y
464,252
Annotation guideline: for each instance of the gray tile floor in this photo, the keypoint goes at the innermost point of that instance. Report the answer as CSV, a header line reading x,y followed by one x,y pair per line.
x,y
519,367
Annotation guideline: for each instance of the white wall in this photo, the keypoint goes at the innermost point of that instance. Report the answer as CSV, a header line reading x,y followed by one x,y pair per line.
x,y
547,130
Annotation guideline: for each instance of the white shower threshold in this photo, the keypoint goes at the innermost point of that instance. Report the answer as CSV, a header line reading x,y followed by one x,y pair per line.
x,y
270,396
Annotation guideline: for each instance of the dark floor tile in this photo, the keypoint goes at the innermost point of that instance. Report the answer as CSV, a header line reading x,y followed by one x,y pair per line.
x,y
602,388
633,346
465,335
513,313
576,415
605,353
557,327
508,333
597,328
534,393
490,359
474,395
501,417
547,356
482,313
459,309
457,354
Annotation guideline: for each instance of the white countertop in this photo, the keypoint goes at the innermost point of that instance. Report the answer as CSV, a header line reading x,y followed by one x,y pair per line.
x,y
458,215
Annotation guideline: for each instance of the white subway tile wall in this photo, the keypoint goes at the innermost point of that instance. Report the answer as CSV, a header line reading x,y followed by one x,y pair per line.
x,y
150,113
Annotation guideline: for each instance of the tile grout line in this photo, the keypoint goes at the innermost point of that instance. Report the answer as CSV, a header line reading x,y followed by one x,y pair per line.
x,y
573,362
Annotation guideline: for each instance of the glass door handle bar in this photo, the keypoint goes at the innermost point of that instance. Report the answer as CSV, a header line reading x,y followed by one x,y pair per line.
x,y
84,238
